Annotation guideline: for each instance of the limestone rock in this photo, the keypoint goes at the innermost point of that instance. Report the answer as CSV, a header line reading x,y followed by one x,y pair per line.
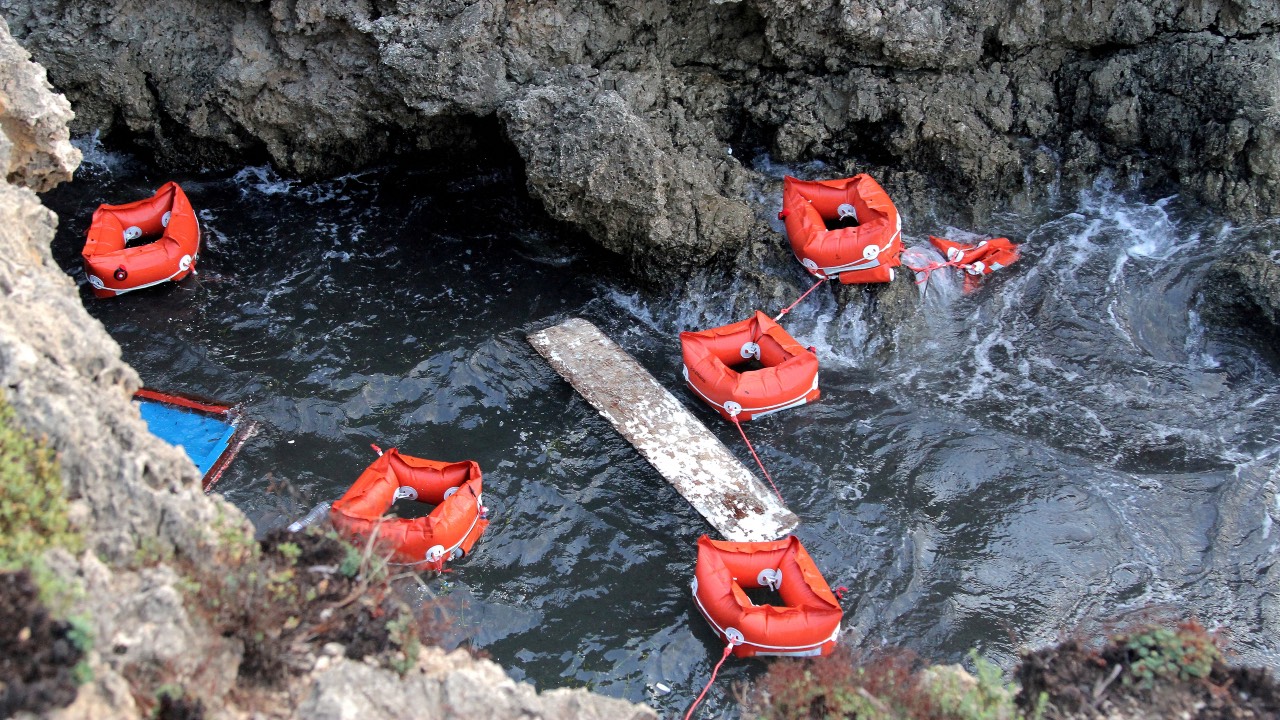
x,y
449,685
598,163
36,145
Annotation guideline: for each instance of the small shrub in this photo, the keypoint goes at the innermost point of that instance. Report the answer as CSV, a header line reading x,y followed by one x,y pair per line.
x,y
886,685
293,591
983,696
1156,653
172,703
350,562
33,505
41,658
403,631
883,686
290,551
80,633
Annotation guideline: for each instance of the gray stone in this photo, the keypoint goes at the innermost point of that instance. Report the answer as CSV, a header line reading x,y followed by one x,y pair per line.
x,y
449,685
1244,289
624,113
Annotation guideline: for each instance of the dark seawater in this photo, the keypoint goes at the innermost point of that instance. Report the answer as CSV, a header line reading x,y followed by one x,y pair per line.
x,y
1059,450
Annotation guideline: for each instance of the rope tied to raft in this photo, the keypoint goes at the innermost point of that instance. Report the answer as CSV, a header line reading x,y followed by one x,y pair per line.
x,y
790,307
728,648
767,476
928,269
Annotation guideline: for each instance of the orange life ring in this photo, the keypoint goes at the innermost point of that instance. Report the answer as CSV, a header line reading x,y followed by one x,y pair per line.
x,y
864,253
789,376
167,217
447,533
806,625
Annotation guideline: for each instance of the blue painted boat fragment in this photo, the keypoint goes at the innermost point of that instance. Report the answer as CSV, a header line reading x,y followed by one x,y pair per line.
x,y
211,433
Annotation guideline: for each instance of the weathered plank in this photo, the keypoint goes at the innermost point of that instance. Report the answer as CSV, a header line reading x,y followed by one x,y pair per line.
x,y
678,445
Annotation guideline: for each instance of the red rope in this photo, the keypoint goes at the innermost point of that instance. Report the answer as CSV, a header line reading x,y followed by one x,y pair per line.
x,y
928,269
727,649
757,457
797,302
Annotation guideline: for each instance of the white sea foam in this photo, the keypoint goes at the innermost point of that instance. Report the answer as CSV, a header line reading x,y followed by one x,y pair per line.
x,y
95,160
1195,344
265,180
765,165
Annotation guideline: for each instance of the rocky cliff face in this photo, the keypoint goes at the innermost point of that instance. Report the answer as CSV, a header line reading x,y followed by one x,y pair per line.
x,y
138,500
628,113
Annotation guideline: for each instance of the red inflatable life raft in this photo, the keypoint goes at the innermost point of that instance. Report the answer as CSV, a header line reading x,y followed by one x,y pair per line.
x,y
806,625
165,218
788,375
447,533
863,253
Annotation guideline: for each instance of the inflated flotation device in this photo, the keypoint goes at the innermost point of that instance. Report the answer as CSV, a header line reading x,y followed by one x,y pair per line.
x,y
806,624
166,219
865,252
447,533
787,376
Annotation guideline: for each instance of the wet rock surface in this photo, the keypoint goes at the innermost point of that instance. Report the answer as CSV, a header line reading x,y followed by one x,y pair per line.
x,y
626,113
1242,290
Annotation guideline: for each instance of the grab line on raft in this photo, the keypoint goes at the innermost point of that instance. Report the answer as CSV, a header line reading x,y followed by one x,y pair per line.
x,y
728,648
789,308
757,457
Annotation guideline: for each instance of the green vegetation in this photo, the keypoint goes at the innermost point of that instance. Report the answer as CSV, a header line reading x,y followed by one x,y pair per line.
x,y
293,591
33,519
984,695
882,686
403,632
33,505
1148,669
1160,653
80,635
172,701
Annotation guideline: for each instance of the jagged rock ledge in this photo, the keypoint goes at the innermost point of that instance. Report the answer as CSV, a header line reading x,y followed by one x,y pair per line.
x,y
631,116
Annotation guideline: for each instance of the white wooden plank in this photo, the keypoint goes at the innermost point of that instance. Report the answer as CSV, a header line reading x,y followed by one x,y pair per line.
x,y
680,447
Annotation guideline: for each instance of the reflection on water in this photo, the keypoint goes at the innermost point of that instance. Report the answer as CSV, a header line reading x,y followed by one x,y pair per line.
x,y
1063,446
